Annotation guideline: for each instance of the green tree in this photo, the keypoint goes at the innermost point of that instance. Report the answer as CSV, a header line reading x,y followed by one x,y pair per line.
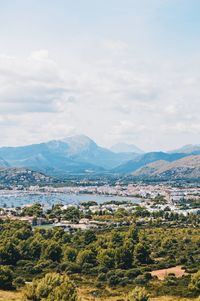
x,y
138,294
35,249
52,287
86,257
133,233
124,257
89,237
9,253
120,213
6,278
116,238
195,282
70,254
53,252
141,253
106,258
72,214
34,210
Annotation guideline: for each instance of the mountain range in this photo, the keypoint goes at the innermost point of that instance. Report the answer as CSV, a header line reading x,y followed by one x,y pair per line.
x,y
81,155
77,154
185,168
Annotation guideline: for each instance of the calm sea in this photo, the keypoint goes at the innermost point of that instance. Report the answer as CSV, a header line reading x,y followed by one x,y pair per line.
x,y
21,198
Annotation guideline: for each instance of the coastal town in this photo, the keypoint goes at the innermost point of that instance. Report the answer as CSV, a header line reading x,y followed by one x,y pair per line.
x,y
170,193
87,200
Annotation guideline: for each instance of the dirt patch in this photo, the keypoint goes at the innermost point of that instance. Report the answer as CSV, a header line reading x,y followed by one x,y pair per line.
x,y
161,274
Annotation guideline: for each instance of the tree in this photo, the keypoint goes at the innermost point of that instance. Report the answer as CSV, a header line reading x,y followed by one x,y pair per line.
x,y
133,233
141,253
85,257
9,253
52,287
195,282
106,258
117,239
120,213
138,294
124,257
89,237
53,252
70,254
35,249
6,278
34,210
71,214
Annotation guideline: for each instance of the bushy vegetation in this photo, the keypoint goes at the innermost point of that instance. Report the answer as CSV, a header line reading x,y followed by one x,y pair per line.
x,y
52,287
121,257
138,294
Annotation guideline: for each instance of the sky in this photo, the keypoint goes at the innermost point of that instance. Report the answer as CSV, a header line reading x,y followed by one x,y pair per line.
x,y
114,70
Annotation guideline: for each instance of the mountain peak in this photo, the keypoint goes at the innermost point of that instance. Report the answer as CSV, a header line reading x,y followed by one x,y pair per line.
x,y
79,140
79,143
126,148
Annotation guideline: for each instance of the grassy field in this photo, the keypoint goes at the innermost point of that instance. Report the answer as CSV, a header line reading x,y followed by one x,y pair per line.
x,y
85,295
14,296
10,296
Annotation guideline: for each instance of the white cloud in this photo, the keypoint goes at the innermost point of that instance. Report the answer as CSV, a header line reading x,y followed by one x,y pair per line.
x,y
30,85
115,46
40,55
110,98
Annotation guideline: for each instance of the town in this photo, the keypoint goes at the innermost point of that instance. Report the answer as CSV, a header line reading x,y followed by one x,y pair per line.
x,y
87,213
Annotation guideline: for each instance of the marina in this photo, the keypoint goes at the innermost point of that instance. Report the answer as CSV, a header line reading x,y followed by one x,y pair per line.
x,y
14,199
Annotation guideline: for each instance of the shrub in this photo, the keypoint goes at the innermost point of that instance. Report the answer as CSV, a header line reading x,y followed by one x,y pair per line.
x,y
52,287
171,280
113,280
133,273
18,282
195,282
102,277
138,294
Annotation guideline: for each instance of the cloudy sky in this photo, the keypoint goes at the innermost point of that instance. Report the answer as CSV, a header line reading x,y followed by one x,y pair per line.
x,y
115,70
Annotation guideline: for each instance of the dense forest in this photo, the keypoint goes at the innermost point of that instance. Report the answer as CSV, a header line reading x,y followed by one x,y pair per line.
x,y
119,259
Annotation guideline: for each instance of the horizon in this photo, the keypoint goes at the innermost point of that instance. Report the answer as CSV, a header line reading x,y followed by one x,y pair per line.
x,y
118,72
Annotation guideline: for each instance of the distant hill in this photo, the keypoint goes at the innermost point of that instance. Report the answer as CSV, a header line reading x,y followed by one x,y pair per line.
x,y
3,163
126,148
188,149
185,168
142,160
22,176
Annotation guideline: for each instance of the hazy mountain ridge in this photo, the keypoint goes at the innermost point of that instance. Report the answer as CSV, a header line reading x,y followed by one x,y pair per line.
x,y
185,168
81,155
145,159
77,154
188,149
